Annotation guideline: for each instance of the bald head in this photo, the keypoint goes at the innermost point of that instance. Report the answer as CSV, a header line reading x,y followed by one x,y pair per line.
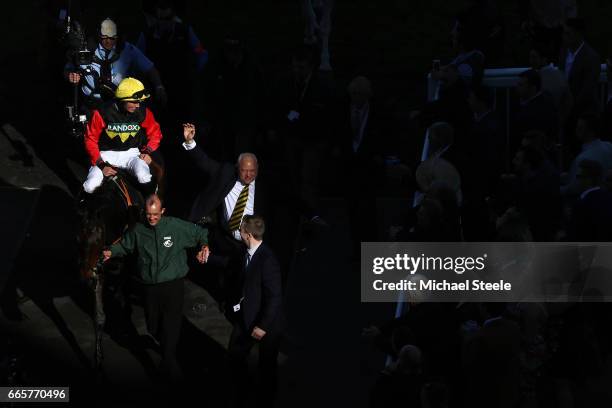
x,y
247,167
154,209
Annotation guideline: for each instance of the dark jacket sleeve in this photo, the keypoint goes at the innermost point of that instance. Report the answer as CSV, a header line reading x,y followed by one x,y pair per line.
x,y
126,245
203,162
196,235
271,282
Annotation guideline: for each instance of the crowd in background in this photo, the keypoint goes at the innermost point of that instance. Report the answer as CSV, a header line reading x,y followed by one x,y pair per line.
x,y
550,179
547,180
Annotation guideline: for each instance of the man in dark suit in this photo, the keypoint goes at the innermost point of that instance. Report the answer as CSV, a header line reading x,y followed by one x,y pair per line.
x,y
254,309
581,66
230,193
537,110
299,114
591,218
359,152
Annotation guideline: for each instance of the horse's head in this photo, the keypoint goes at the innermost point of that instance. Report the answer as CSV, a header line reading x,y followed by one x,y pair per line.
x,y
103,218
91,241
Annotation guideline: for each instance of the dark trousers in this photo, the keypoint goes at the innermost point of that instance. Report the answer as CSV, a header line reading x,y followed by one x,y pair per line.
x,y
163,305
264,384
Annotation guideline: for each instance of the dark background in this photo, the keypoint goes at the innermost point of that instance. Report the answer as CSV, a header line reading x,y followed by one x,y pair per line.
x,y
391,42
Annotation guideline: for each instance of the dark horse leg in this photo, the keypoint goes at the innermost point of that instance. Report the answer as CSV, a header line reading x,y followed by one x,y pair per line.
x,y
99,318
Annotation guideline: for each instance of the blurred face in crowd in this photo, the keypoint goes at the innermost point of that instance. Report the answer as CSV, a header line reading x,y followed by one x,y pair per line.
x,y
108,42
154,212
131,107
247,169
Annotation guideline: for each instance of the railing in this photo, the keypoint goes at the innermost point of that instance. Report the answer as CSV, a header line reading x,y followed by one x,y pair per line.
x,y
506,79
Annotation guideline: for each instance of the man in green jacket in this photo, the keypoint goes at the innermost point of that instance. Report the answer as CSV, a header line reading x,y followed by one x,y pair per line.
x,y
160,246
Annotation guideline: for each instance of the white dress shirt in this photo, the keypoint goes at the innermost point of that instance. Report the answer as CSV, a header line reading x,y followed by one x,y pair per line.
x,y
230,203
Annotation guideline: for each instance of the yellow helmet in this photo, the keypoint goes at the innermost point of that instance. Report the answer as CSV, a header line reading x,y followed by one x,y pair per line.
x,y
131,90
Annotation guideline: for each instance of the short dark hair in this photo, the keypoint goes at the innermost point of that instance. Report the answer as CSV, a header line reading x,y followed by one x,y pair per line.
x,y
592,122
483,94
577,24
533,78
254,225
592,169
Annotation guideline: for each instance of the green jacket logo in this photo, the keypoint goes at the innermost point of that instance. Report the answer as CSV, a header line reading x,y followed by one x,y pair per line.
x,y
123,130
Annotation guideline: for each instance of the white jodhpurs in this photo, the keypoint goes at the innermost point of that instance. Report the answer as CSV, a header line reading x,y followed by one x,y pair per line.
x,y
127,160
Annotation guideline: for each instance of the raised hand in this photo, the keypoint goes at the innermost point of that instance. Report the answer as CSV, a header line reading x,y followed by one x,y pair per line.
x,y
188,132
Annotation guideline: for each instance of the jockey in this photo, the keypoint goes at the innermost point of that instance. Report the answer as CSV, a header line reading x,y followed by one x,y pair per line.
x,y
122,134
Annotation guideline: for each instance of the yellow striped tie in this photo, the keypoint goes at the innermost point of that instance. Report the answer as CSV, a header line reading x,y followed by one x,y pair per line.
x,y
236,218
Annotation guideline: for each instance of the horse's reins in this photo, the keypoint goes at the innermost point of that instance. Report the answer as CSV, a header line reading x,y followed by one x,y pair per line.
x,y
125,193
124,190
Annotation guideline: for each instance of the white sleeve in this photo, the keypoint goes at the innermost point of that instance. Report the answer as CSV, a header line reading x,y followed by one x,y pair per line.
x,y
189,146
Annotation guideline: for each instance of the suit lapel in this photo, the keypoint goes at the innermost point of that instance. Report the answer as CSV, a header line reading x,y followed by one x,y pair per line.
x,y
259,202
250,270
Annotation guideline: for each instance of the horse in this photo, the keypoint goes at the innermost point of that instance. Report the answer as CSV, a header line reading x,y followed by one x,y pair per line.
x,y
103,217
